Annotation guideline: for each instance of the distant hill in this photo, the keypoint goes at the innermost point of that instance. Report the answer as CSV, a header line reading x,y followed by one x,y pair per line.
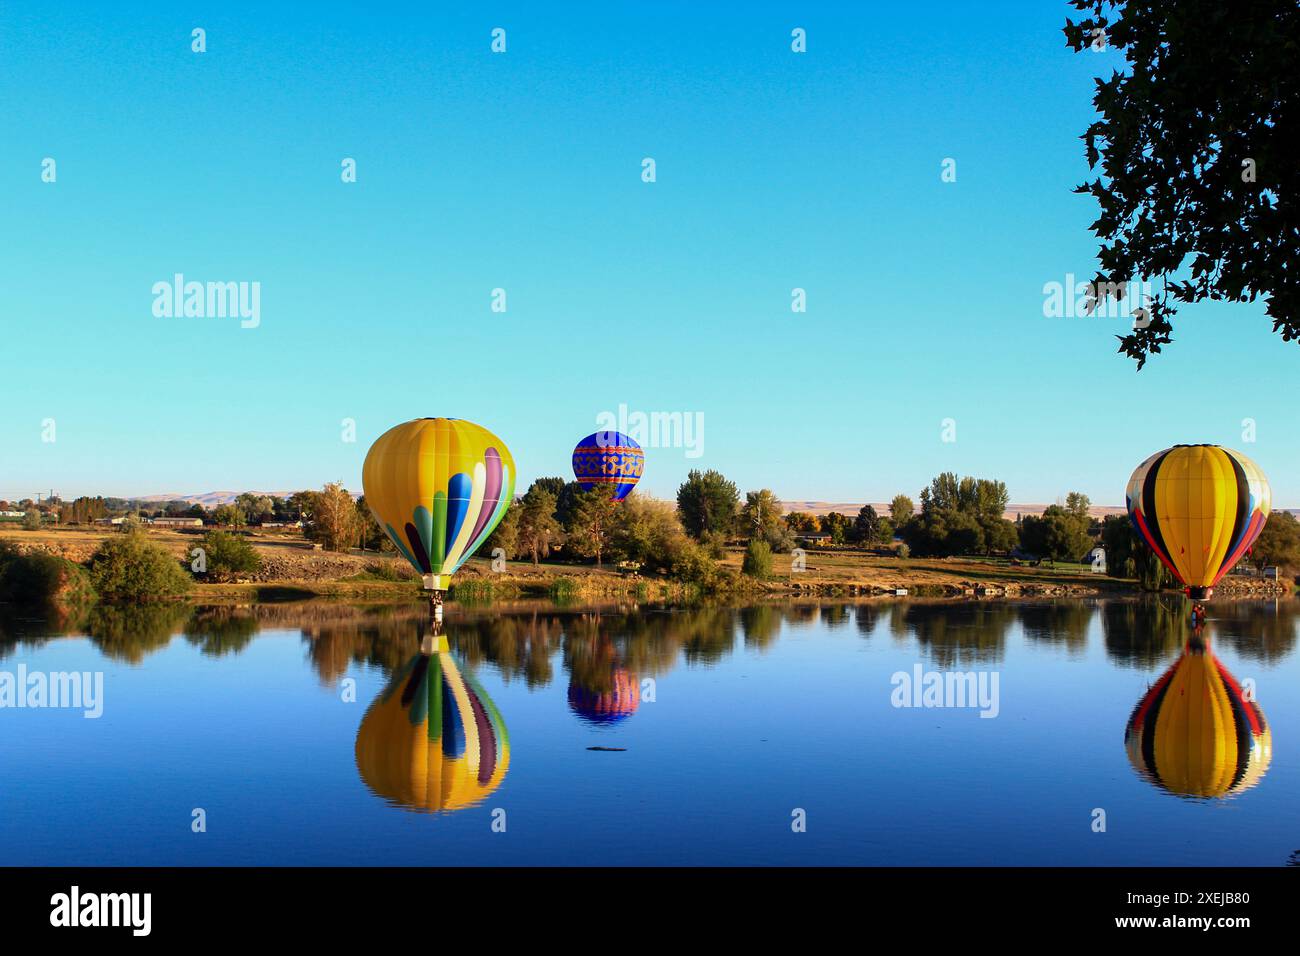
x,y
882,507
212,499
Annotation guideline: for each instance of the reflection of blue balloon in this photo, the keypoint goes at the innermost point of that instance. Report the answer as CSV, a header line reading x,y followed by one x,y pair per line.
x,y
609,706
608,460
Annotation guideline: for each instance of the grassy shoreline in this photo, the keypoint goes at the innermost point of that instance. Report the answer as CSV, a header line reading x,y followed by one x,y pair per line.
x,y
292,569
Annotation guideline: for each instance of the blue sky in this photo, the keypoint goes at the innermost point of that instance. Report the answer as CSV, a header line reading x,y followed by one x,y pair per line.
x,y
522,171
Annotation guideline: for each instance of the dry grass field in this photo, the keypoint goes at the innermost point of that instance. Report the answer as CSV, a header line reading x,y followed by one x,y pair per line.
x,y
852,570
293,564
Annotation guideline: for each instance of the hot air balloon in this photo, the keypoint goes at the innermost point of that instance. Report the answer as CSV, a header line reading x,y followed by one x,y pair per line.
x,y
608,459
438,486
607,704
433,740
1195,733
601,689
1199,508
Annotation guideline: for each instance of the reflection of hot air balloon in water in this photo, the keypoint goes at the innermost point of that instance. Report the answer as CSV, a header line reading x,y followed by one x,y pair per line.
x,y
433,740
438,486
1199,508
601,689
608,704
610,460
1195,733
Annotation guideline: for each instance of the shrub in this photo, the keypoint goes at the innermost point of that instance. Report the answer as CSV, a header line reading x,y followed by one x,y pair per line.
x,y
130,567
41,578
691,564
758,560
392,570
903,551
228,555
564,589
228,516
780,539
130,632
714,544
646,532
32,520
472,591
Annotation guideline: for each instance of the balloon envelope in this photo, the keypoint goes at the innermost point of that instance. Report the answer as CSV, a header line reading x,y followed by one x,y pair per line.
x,y
610,460
609,704
438,486
433,740
1199,508
1196,733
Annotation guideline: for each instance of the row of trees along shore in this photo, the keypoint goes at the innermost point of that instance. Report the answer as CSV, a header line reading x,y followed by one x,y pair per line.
x,y
331,516
955,517
555,518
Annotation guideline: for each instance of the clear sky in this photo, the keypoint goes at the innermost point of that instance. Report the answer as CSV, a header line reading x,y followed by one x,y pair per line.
x,y
523,171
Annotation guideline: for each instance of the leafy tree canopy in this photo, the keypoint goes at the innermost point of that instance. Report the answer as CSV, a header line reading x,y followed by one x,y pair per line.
x,y
1196,144
707,501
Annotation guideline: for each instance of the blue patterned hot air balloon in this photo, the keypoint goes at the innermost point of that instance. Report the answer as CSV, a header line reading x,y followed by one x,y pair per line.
x,y
608,459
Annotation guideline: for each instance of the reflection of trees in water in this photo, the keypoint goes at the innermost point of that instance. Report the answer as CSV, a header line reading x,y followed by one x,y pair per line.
x,y
1057,622
130,632
1145,632
123,632
834,615
30,632
383,637
760,624
1263,631
707,634
899,629
521,639
647,641
802,613
518,645
1150,631
962,633
866,616
218,631
592,659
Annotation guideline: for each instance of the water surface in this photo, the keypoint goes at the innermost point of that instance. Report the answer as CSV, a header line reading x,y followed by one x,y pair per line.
x,y
326,733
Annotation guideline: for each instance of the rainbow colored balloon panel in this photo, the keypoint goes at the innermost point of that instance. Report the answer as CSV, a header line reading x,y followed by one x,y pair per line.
x,y
1199,508
608,459
433,740
438,487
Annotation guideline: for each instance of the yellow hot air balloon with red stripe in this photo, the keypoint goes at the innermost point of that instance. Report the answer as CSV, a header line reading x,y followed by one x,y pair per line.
x,y
1199,508
1196,732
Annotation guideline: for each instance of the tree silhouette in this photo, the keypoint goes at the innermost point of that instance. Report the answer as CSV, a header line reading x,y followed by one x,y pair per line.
x,y
1196,144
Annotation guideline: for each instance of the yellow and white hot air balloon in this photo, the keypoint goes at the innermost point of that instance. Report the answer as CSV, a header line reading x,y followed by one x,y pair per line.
x,y
438,487
433,740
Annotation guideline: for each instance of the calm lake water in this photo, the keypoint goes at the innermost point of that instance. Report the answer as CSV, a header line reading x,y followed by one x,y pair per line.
x,y
325,733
